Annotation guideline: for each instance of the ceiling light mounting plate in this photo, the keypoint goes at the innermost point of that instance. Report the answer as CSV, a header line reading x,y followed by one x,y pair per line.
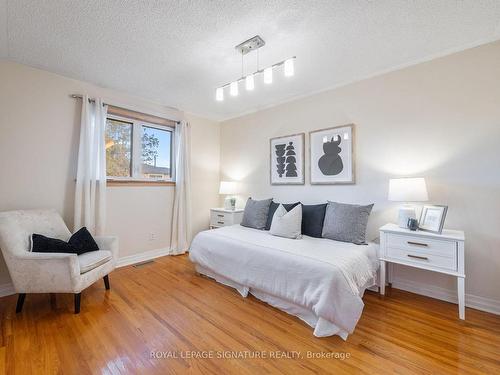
x,y
250,45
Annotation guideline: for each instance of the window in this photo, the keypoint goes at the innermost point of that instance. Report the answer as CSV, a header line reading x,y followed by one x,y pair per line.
x,y
118,148
138,150
156,153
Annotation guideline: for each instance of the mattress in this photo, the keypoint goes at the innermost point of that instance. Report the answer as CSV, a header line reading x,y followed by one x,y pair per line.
x,y
318,280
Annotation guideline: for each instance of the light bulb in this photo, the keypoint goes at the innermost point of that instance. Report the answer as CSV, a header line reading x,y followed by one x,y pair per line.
x,y
249,83
233,88
289,70
268,75
219,94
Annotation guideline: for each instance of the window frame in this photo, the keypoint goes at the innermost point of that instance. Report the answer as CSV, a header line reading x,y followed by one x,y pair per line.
x,y
136,154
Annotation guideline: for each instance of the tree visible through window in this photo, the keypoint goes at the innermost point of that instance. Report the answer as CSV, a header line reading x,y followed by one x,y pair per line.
x,y
118,148
156,153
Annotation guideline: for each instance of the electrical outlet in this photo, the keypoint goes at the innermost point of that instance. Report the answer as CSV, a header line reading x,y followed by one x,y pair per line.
x,y
152,236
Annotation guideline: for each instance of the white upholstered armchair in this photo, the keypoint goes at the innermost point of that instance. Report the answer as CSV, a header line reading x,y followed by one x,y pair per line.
x,y
51,272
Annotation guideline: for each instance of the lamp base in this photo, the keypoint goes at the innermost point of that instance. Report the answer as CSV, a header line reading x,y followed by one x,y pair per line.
x,y
405,213
230,203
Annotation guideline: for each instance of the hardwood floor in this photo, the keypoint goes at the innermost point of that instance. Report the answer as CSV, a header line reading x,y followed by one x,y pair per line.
x,y
165,307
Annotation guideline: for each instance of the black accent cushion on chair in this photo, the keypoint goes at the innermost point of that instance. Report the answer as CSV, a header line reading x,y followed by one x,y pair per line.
x,y
79,243
272,210
313,217
42,244
83,241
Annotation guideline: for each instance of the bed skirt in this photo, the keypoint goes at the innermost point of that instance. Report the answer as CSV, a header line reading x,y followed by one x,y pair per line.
x,y
322,327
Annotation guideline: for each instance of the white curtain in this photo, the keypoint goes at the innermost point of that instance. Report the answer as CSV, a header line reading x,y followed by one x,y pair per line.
x,y
181,219
90,193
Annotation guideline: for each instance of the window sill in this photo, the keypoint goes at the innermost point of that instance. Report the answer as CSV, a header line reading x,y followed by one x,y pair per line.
x,y
110,182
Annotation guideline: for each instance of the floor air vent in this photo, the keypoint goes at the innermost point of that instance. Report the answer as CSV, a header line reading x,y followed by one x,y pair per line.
x,y
141,264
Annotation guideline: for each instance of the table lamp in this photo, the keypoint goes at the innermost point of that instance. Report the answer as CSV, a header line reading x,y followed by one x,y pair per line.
x,y
229,188
407,190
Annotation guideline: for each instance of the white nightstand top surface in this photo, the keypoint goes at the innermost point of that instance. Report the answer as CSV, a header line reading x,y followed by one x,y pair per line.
x,y
448,234
221,209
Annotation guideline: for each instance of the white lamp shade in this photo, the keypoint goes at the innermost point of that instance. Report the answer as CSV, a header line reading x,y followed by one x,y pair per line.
x,y
408,190
289,71
233,88
228,187
268,75
219,94
249,82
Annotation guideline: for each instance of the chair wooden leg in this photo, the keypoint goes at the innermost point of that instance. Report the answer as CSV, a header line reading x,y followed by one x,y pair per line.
x,y
77,302
53,301
106,282
20,302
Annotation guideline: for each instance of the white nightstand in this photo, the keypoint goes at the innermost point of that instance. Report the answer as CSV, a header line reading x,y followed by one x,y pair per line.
x,y
442,253
220,217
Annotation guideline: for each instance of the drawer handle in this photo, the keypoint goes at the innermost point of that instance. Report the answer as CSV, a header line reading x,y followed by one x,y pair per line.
x,y
417,257
220,222
220,215
417,243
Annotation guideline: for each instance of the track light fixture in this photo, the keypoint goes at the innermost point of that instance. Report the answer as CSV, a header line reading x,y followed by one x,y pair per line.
x,y
248,46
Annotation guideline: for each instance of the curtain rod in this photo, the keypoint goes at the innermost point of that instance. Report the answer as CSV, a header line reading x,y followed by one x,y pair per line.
x,y
91,100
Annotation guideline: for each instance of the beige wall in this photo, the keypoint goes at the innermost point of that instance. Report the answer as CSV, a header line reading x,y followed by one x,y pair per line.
x,y
39,131
440,120
205,158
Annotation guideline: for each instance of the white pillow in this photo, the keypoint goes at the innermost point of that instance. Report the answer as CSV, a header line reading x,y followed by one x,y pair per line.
x,y
287,224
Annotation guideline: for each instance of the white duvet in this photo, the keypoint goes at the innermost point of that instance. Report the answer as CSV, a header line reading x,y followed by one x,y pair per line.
x,y
319,280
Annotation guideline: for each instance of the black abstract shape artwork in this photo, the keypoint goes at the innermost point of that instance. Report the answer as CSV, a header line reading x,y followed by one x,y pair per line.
x,y
286,160
280,158
330,164
291,161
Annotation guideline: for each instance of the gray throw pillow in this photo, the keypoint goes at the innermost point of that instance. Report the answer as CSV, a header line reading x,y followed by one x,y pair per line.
x,y
346,222
255,215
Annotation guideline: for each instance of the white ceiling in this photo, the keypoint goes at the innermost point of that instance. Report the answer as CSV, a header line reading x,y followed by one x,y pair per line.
x,y
178,52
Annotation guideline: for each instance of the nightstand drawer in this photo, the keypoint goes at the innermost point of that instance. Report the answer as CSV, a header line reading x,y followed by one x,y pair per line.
x,y
422,258
219,218
447,249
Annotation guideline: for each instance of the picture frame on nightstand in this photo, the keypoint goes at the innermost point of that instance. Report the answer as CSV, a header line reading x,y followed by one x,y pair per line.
x,y
432,218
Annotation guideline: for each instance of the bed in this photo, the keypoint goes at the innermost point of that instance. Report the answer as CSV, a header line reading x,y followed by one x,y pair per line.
x,y
318,280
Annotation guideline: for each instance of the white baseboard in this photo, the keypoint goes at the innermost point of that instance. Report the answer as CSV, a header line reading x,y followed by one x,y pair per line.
x,y
7,290
476,302
142,257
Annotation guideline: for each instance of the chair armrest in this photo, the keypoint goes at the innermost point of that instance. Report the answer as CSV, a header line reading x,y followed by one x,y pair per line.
x,y
48,256
36,272
108,243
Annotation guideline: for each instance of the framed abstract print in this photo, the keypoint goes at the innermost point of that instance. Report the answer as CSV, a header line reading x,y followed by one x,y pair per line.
x,y
332,155
287,160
